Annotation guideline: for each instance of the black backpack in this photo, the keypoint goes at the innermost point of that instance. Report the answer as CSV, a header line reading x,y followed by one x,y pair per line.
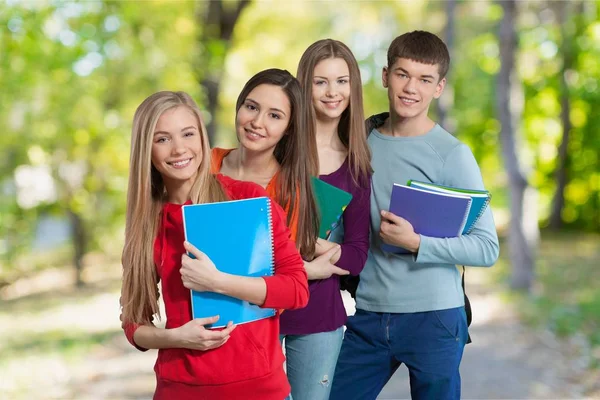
x,y
350,282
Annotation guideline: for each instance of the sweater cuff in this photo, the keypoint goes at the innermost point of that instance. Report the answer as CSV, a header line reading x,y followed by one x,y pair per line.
x,y
272,293
421,256
129,332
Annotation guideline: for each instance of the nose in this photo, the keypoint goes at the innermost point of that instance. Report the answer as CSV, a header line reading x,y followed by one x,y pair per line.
x,y
331,91
410,87
257,121
178,146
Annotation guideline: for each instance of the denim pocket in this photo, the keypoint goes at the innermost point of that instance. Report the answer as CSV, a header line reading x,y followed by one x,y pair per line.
x,y
449,321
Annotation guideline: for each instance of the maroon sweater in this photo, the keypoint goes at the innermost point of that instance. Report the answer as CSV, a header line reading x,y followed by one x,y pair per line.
x,y
325,311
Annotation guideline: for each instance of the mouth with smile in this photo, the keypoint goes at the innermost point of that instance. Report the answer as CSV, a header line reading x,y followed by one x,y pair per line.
x,y
407,100
253,135
331,104
180,163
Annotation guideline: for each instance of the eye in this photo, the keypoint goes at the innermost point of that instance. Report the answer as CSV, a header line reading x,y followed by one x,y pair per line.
x,y
275,116
425,81
402,75
319,83
342,81
189,133
161,139
251,107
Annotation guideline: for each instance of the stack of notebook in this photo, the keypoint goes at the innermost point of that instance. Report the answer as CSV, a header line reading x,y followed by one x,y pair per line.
x,y
437,211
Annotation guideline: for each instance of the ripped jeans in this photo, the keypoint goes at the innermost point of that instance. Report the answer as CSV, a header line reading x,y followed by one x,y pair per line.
x,y
310,363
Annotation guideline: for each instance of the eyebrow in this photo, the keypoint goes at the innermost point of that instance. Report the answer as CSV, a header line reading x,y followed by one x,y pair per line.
x,y
184,129
272,108
422,76
323,77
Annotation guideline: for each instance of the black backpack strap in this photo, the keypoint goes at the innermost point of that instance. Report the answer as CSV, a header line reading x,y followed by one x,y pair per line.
x,y
467,306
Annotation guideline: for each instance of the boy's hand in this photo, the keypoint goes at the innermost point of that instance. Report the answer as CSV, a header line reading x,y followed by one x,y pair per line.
x,y
397,231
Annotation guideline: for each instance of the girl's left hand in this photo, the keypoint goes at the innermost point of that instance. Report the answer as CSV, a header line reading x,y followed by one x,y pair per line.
x,y
199,274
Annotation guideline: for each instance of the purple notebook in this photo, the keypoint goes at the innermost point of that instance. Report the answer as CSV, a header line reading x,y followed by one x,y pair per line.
x,y
433,214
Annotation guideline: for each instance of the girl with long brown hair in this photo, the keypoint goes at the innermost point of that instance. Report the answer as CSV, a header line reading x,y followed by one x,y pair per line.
x,y
276,150
332,92
169,167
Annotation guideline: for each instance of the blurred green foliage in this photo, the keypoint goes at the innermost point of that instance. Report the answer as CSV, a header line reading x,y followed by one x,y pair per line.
x,y
72,74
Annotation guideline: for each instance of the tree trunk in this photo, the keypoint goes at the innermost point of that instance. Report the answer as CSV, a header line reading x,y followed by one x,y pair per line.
x,y
523,232
78,236
445,102
217,19
563,159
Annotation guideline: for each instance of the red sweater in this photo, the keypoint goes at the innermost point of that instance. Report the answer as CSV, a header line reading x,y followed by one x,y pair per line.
x,y
250,364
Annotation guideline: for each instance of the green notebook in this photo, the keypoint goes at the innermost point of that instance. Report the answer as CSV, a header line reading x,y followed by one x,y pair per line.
x,y
331,202
480,199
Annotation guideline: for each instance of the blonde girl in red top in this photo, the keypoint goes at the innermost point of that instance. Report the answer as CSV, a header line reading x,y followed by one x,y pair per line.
x,y
169,167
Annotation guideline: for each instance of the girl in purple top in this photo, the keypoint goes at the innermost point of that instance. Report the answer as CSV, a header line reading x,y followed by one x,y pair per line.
x,y
332,89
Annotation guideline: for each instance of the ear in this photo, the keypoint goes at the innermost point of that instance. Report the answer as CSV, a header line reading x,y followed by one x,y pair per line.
x,y
384,77
440,88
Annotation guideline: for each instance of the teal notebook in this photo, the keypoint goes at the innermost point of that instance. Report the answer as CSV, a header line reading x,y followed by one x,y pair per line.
x,y
237,236
480,199
331,202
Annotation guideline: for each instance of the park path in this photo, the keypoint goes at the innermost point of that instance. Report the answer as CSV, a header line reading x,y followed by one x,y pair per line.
x,y
505,361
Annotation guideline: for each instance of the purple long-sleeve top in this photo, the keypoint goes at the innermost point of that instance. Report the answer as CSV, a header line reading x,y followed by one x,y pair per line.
x,y
325,311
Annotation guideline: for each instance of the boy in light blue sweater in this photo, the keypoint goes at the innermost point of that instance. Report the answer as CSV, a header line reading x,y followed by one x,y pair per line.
x,y
410,308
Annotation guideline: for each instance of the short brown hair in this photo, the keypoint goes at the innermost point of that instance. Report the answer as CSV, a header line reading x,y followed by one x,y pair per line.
x,y
420,46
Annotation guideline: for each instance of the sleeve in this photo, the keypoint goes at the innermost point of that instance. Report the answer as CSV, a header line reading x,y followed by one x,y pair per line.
x,y
356,231
478,248
288,287
129,329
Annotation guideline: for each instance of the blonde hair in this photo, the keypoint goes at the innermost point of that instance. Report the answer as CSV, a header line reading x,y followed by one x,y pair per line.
x,y
146,195
351,128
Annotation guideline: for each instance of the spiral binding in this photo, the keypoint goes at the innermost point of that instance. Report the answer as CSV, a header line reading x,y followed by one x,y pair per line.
x,y
272,247
464,221
485,206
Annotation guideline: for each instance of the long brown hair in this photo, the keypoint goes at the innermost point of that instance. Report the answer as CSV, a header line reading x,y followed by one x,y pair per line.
x,y
351,129
297,156
146,195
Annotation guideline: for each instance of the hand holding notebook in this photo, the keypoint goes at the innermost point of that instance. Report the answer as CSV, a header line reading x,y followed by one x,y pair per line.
x,y
237,237
197,269
434,214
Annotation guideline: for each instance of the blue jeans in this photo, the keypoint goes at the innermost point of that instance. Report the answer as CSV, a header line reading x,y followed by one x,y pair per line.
x,y
375,344
310,363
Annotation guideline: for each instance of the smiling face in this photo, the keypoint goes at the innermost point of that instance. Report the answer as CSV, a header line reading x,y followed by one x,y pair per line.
x,y
331,88
177,146
263,118
411,87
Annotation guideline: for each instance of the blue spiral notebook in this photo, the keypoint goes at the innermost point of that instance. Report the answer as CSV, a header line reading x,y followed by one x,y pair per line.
x,y
480,199
237,236
434,214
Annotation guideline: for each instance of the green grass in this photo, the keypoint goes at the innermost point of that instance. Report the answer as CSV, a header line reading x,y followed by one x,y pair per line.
x,y
69,344
566,294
